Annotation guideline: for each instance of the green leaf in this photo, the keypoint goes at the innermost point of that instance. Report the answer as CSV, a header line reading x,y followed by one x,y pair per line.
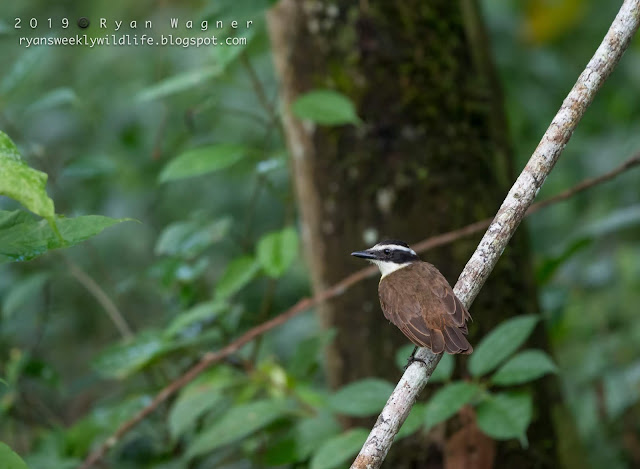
x,y
361,398
23,291
310,433
621,389
201,312
199,397
203,160
523,367
500,343
238,273
307,435
549,266
189,407
325,107
22,183
443,371
190,238
616,220
277,250
239,422
505,416
123,359
414,421
308,353
449,400
53,99
281,452
93,166
178,83
9,459
16,74
338,450
23,238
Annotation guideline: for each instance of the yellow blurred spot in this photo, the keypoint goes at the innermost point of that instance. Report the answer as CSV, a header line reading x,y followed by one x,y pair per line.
x,y
546,20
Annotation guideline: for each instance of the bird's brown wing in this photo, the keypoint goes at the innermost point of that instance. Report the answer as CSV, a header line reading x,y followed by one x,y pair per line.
x,y
430,316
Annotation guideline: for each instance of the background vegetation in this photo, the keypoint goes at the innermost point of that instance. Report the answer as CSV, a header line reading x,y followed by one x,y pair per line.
x,y
187,141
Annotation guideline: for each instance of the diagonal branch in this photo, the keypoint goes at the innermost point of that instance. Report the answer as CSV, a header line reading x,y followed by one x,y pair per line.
x,y
505,223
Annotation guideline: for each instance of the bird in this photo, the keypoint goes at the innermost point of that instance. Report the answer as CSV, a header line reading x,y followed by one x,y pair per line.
x,y
416,298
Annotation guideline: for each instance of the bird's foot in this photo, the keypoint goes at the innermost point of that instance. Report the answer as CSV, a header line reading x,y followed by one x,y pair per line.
x,y
412,358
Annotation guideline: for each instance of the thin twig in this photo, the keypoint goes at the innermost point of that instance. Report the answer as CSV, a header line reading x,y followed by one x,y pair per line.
x,y
504,225
99,294
259,88
336,290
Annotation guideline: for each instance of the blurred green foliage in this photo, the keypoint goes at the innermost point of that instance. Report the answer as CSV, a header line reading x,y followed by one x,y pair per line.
x,y
187,141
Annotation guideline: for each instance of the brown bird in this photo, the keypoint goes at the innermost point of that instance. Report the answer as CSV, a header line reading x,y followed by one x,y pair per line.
x,y
416,297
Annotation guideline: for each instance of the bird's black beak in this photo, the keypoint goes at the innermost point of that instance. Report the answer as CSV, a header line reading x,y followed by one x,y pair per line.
x,y
364,254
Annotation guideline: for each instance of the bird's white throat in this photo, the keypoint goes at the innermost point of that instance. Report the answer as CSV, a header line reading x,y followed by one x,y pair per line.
x,y
388,267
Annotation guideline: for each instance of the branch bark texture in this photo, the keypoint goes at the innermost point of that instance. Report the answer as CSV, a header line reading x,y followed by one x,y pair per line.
x,y
505,223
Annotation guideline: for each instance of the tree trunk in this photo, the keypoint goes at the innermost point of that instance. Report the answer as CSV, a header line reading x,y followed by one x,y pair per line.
x,y
431,156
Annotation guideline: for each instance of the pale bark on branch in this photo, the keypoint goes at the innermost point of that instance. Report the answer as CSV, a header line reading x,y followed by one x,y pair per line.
x,y
505,223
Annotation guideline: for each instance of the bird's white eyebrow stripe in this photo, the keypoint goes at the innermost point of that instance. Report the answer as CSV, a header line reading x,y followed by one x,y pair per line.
x,y
382,247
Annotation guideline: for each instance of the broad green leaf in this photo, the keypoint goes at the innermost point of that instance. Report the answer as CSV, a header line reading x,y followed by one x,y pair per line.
x,y
325,107
505,416
180,82
414,421
238,273
199,397
22,183
361,398
500,343
22,292
90,167
14,75
310,433
621,389
189,407
523,367
53,99
9,459
190,238
449,400
121,360
239,422
549,266
201,312
202,160
277,250
308,352
337,451
443,371
307,435
281,452
616,220
23,238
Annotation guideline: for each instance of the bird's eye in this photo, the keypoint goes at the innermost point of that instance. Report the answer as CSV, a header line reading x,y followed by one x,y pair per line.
x,y
387,251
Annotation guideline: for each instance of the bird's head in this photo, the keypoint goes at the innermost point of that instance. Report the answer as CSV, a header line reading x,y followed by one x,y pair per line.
x,y
389,255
